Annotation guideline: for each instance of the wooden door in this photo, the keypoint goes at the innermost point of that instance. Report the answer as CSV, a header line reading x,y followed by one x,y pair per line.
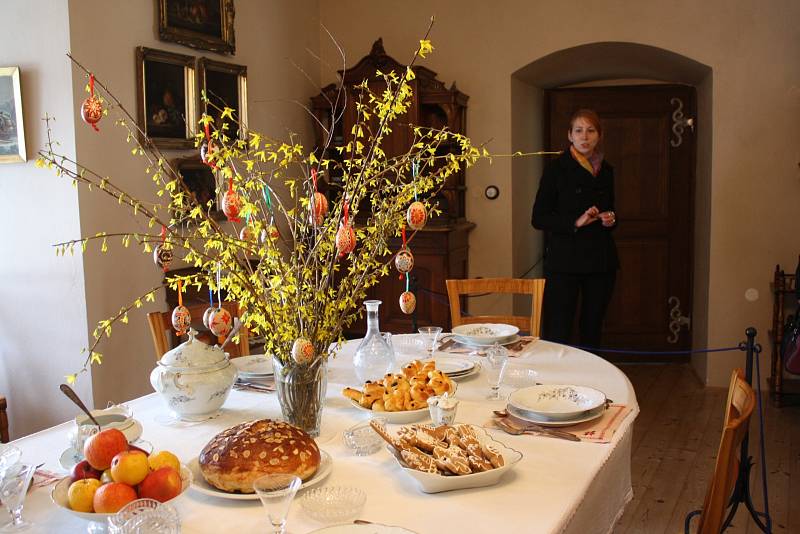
x,y
653,155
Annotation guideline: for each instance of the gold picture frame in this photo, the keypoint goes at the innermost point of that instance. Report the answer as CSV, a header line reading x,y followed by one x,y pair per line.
x,y
224,84
12,128
166,97
202,24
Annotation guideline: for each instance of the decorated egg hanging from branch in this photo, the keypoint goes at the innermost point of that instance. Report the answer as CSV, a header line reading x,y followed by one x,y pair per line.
x,y
417,215
408,302
345,236
92,107
404,260
220,322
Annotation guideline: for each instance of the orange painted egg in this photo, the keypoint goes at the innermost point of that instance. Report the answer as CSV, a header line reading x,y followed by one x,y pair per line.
x,y
246,233
408,302
345,240
220,322
162,256
92,110
319,208
231,204
404,261
302,350
181,319
417,215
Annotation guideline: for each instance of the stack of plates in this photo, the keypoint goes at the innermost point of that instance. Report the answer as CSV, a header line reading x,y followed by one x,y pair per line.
x,y
557,404
457,367
485,334
254,367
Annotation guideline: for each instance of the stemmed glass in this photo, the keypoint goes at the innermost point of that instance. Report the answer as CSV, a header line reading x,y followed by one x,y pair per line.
x,y
276,493
430,334
496,361
9,455
13,489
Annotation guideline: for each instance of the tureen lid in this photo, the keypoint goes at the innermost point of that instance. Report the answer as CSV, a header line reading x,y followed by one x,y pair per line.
x,y
193,353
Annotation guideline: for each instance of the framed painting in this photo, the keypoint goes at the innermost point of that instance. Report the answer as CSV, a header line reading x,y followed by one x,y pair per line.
x,y
203,24
12,131
200,180
166,97
225,85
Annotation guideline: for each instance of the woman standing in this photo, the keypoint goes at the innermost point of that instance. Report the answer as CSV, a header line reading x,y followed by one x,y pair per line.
x,y
575,207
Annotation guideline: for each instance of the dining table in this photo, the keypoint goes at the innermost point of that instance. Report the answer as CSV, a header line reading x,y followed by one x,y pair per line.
x,y
558,486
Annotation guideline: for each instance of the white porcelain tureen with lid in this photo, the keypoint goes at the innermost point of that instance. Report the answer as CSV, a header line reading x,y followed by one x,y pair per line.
x,y
194,379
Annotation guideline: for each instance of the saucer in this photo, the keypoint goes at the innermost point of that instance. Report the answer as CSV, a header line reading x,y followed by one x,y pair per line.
x,y
70,456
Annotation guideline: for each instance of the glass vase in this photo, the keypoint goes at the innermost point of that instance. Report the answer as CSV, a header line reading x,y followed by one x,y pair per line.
x,y
301,392
374,357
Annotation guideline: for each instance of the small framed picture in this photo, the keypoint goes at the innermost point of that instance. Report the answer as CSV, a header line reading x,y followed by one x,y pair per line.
x,y
12,131
202,24
200,180
166,97
225,85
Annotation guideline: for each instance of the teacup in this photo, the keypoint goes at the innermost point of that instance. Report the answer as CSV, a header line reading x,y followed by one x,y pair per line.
x,y
442,409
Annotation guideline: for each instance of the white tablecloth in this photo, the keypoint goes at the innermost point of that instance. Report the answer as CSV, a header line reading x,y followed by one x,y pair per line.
x,y
559,486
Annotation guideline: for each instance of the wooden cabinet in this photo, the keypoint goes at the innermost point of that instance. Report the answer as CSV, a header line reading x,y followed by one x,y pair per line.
x,y
782,385
440,249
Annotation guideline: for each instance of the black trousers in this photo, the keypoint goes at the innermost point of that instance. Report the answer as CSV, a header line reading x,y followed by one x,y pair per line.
x,y
561,293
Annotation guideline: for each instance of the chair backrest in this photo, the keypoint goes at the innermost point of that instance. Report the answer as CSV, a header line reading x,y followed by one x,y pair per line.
x,y
739,408
520,286
3,420
164,337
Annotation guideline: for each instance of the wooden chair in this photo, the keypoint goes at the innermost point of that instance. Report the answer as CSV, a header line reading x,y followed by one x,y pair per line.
x,y
739,408
519,286
164,337
3,420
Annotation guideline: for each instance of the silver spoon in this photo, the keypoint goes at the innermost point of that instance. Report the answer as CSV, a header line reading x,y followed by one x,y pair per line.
x,y
535,429
71,395
237,324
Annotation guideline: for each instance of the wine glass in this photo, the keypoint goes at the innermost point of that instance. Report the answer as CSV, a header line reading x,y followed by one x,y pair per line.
x,y
496,361
9,455
430,334
13,489
276,493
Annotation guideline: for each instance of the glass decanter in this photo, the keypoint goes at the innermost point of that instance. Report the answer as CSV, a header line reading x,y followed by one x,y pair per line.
x,y
374,357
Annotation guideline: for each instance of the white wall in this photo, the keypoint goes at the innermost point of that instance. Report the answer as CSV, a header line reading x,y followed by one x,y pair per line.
x,y
752,48
42,305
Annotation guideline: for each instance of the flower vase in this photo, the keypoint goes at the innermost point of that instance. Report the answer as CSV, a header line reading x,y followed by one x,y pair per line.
x,y
301,392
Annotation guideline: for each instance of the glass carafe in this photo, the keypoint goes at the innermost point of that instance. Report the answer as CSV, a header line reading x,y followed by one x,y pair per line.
x,y
374,357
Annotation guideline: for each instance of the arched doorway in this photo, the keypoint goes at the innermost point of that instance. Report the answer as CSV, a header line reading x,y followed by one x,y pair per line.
x,y
611,62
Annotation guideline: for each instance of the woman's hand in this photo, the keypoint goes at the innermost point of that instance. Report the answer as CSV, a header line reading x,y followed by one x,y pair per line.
x,y
609,218
589,216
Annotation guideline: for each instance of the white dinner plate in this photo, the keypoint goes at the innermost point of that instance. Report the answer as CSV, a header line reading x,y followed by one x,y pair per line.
x,y
372,528
485,333
454,366
406,416
255,365
588,416
199,483
472,343
556,402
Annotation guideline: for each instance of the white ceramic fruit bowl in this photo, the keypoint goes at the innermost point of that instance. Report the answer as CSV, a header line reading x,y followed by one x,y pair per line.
x,y
59,496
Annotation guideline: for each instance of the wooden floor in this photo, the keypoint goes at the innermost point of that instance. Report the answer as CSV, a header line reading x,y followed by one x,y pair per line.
x,y
675,443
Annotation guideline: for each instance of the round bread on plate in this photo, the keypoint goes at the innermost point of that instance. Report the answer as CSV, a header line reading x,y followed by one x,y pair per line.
x,y
235,457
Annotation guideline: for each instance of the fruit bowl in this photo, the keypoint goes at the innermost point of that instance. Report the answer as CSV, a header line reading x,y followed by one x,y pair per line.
x,y
59,496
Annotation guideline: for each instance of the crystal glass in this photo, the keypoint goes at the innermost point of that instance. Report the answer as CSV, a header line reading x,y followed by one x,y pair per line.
x,y
429,335
496,361
13,489
362,439
78,436
145,516
334,504
9,455
301,392
276,493
374,357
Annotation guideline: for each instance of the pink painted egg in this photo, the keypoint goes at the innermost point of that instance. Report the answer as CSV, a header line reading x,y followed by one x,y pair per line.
x,y
92,110
220,322
417,215
345,240
231,204
181,319
302,350
207,315
408,302
162,256
404,261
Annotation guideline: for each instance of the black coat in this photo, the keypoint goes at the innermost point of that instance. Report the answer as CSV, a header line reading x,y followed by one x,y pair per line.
x,y
566,191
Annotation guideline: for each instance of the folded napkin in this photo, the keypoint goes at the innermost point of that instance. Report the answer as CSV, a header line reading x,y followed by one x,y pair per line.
x,y
42,478
515,349
599,430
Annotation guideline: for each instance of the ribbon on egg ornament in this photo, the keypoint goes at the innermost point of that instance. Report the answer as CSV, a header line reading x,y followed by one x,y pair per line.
x,y
92,107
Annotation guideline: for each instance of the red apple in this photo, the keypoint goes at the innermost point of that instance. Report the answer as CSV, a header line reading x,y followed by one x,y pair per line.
x,y
101,448
162,485
110,498
83,470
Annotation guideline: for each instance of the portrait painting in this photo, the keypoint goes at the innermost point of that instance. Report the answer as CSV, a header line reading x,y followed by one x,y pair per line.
x,y
12,132
202,24
166,97
199,179
225,85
